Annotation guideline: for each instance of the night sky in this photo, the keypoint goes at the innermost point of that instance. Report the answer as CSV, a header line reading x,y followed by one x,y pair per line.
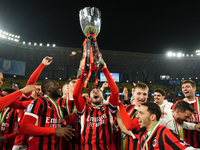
x,y
139,26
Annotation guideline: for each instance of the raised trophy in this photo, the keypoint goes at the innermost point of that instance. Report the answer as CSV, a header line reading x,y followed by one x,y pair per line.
x,y
90,21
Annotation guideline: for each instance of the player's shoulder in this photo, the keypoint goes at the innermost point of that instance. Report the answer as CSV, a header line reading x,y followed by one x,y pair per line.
x,y
129,107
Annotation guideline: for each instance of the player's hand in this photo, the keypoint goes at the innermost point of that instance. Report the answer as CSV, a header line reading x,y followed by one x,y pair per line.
x,y
197,127
105,85
47,60
102,65
64,132
125,93
28,89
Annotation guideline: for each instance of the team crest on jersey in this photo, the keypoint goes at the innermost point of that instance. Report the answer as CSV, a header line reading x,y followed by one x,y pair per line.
x,y
30,106
154,142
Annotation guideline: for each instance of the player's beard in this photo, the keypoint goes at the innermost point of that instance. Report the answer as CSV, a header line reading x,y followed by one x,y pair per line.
x,y
55,94
96,102
179,121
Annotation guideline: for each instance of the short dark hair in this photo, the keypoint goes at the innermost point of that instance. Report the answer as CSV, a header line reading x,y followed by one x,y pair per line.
x,y
183,106
70,79
46,84
141,85
153,108
193,84
95,87
9,90
161,91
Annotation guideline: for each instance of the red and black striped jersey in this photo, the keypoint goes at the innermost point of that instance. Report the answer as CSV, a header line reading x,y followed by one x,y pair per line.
x,y
117,135
68,107
97,128
1,94
8,126
21,139
130,142
46,115
192,137
161,138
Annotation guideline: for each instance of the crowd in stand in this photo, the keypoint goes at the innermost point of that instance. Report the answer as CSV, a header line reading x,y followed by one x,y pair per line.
x,y
50,117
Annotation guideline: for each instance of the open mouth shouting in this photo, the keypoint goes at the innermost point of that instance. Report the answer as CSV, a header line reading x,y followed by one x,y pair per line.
x,y
96,97
186,93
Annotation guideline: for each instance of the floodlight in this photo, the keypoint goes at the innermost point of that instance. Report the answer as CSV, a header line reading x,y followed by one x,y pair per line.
x,y
187,55
73,53
179,55
35,44
40,44
48,45
29,43
169,54
191,55
24,42
54,45
174,54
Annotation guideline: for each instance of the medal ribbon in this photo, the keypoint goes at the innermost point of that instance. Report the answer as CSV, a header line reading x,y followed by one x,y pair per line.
x,y
134,114
150,135
176,128
162,109
91,56
4,114
58,109
198,108
67,107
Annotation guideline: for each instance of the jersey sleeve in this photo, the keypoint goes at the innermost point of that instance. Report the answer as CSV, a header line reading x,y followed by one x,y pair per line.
x,y
78,99
131,124
19,105
174,141
6,100
188,125
114,97
33,78
29,121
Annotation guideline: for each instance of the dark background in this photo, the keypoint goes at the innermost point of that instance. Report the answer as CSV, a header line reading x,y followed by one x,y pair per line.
x,y
139,26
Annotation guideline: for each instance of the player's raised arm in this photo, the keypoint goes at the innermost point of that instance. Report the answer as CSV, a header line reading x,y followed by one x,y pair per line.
x,y
131,124
78,99
114,97
7,100
35,75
